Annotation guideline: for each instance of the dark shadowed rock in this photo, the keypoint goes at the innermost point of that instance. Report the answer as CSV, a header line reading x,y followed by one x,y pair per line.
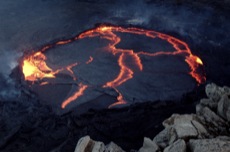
x,y
178,146
209,145
185,126
212,121
205,131
201,129
215,92
209,103
112,147
224,107
149,146
165,137
85,144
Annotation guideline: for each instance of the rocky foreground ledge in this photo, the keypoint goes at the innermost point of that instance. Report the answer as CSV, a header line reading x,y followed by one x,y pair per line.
x,y
206,131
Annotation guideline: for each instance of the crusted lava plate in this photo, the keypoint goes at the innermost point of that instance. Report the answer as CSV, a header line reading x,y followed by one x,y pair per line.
x,y
112,66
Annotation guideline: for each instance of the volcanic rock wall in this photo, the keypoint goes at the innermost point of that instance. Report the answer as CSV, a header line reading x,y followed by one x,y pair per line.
x,y
205,131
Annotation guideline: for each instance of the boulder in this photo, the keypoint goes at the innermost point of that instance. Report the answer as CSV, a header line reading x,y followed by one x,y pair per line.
x,y
178,146
98,147
209,145
165,137
85,144
215,92
212,121
148,146
226,138
224,107
209,103
112,147
186,126
208,122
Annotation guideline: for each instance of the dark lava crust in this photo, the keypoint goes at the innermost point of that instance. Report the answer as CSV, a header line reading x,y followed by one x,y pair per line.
x,y
27,125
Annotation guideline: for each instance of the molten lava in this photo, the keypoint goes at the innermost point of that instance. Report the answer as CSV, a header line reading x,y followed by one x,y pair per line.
x,y
90,60
74,96
35,67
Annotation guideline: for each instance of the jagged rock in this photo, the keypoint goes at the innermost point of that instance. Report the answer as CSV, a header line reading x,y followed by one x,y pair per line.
x,y
82,144
112,147
149,146
215,92
202,131
85,144
226,138
186,126
178,146
224,107
209,103
98,147
212,121
165,137
209,145
226,90
10,135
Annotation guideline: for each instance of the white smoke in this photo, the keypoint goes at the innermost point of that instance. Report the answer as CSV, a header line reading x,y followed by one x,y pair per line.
x,y
184,20
8,61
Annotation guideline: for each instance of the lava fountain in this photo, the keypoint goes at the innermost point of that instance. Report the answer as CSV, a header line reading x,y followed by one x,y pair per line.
x,y
35,68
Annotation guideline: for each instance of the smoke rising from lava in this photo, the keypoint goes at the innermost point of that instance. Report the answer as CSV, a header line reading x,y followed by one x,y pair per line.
x,y
8,61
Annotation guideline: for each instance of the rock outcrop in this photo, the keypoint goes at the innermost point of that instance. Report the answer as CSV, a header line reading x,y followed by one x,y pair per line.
x,y
149,146
86,144
209,145
206,131
178,146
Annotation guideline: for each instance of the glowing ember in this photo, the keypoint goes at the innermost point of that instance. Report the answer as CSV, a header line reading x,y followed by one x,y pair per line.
x,y
124,75
75,95
35,67
198,60
90,60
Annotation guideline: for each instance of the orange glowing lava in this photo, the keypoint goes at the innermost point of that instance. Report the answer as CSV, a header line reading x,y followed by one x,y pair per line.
x,y
35,67
90,60
76,95
124,75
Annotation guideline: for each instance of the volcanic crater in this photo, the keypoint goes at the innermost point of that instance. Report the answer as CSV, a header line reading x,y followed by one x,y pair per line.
x,y
128,63
63,75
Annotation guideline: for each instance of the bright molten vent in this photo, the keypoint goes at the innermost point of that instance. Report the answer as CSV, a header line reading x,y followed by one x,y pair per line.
x,y
129,61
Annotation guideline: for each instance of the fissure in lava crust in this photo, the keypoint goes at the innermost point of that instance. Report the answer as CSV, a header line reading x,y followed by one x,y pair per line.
x,y
35,68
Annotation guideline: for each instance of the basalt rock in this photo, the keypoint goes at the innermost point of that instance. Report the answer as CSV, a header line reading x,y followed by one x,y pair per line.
x,y
149,146
112,147
224,107
209,103
205,131
165,137
86,144
209,145
186,126
214,123
215,92
178,146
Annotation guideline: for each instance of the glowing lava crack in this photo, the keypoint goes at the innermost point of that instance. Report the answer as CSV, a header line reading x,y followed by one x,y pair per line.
x,y
35,67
